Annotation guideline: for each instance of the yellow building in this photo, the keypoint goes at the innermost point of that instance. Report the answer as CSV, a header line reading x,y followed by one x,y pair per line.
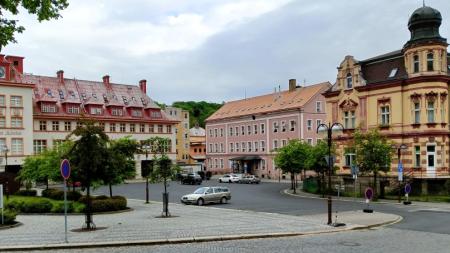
x,y
403,93
182,132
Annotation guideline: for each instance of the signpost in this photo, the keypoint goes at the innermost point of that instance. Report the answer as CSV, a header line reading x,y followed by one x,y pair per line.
x,y
1,202
369,195
407,192
65,173
400,171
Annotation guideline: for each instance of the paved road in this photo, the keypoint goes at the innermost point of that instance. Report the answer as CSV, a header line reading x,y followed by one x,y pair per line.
x,y
266,197
371,241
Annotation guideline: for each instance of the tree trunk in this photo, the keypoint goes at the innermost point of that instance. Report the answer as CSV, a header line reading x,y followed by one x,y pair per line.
x,y
295,186
292,181
110,190
46,184
375,192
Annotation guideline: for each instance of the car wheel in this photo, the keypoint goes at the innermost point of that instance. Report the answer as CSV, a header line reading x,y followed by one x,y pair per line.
x,y
200,202
220,180
223,200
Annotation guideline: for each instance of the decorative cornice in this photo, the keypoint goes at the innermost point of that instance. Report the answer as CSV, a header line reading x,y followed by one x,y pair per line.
x,y
384,100
416,96
348,105
431,95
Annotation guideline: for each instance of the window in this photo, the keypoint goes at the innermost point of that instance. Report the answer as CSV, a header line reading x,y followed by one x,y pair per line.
x,y
16,122
283,126
169,129
136,113
430,62
96,111
122,127
116,111
393,72
283,143
2,100
430,111
310,141
242,130
263,130
160,128
221,163
17,146
55,125
155,114
443,111
318,122
151,128
39,146
112,127
132,128
416,63
16,101
249,130
210,133
318,106
215,132
211,148
215,164
243,147
349,81
142,128
292,125
275,126
231,131
231,147
417,156
237,131
221,132
416,112
2,122
349,119
263,164
275,144
349,158
256,146
102,125
249,146
309,125
73,109
79,124
385,114
51,108
42,125
237,146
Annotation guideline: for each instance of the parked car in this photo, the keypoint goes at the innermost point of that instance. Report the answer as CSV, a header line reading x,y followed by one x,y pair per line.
x,y
229,178
250,179
205,195
191,178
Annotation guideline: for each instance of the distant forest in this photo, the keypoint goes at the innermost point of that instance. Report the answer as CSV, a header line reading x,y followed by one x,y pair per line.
x,y
198,111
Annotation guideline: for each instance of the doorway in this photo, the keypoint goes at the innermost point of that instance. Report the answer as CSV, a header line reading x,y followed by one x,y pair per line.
x,y
431,160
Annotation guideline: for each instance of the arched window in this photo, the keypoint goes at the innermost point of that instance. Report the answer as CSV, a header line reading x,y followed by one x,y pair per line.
x,y
349,81
416,63
430,62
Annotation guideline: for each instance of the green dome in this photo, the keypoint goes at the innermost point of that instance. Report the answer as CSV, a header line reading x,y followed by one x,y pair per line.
x,y
424,25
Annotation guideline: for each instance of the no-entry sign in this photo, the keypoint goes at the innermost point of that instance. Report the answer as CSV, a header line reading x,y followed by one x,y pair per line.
x,y
65,169
369,193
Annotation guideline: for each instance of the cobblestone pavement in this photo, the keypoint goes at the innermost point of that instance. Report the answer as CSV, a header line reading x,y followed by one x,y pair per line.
x,y
142,224
371,241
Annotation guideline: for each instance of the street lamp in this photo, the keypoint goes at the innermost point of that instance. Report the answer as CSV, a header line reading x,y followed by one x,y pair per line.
x,y
5,149
146,171
329,129
400,167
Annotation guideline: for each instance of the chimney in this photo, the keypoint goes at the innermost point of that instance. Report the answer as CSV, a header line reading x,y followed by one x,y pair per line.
x,y
292,84
60,75
17,62
143,85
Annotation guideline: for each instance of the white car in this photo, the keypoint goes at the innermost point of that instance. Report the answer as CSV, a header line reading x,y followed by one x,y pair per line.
x,y
229,178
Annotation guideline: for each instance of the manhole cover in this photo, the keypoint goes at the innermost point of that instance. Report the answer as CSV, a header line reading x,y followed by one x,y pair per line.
x,y
350,244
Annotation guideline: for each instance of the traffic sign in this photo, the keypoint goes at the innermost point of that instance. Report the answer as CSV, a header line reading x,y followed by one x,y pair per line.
x,y
65,169
368,193
400,171
407,188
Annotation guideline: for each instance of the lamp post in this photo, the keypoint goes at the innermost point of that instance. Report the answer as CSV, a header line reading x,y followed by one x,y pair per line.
x,y
5,149
146,148
329,130
400,167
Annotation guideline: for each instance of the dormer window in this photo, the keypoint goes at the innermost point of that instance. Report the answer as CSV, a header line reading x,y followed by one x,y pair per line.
x,y
125,101
136,113
73,109
116,111
349,83
61,94
94,95
155,114
96,111
83,95
393,72
49,108
105,98
430,66
416,63
49,93
72,94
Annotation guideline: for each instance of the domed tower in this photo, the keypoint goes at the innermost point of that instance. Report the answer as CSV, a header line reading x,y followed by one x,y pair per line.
x,y
426,51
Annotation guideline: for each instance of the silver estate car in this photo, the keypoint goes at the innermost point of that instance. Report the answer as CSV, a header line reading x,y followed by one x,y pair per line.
x,y
206,195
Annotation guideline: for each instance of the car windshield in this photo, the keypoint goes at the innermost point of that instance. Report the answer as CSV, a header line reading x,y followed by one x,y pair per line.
x,y
200,190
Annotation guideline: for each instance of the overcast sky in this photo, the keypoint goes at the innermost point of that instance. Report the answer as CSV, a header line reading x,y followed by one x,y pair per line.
x,y
214,50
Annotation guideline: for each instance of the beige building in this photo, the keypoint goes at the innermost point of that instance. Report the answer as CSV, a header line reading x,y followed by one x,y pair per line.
x,y
182,132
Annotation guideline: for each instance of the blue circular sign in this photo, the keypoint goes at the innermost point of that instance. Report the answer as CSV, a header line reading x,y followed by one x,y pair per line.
x,y
65,169
369,193
407,188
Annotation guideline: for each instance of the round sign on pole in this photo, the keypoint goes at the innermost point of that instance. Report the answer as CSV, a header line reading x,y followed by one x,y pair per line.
x,y
368,193
65,169
407,188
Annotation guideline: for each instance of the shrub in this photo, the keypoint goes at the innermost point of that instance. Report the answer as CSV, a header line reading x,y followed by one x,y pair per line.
x,y
57,194
59,207
26,193
105,204
14,205
9,216
101,197
36,206
73,195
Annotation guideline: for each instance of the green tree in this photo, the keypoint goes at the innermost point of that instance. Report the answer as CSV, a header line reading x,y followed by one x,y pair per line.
x,y
120,163
88,158
44,9
318,161
45,166
293,158
373,153
198,111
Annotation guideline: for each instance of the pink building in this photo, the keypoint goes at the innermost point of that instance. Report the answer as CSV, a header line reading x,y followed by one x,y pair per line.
x,y
243,135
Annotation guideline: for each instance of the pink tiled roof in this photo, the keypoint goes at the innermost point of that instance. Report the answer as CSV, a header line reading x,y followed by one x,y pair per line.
x,y
277,101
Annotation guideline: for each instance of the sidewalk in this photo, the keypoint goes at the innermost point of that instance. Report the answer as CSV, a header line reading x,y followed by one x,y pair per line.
x,y
190,224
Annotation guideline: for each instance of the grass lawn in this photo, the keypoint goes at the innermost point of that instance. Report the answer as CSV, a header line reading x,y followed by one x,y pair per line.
x,y
78,207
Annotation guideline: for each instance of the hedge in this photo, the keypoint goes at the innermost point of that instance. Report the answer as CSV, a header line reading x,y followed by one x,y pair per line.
x,y
31,193
30,206
59,207
9,216
105,204
57,194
